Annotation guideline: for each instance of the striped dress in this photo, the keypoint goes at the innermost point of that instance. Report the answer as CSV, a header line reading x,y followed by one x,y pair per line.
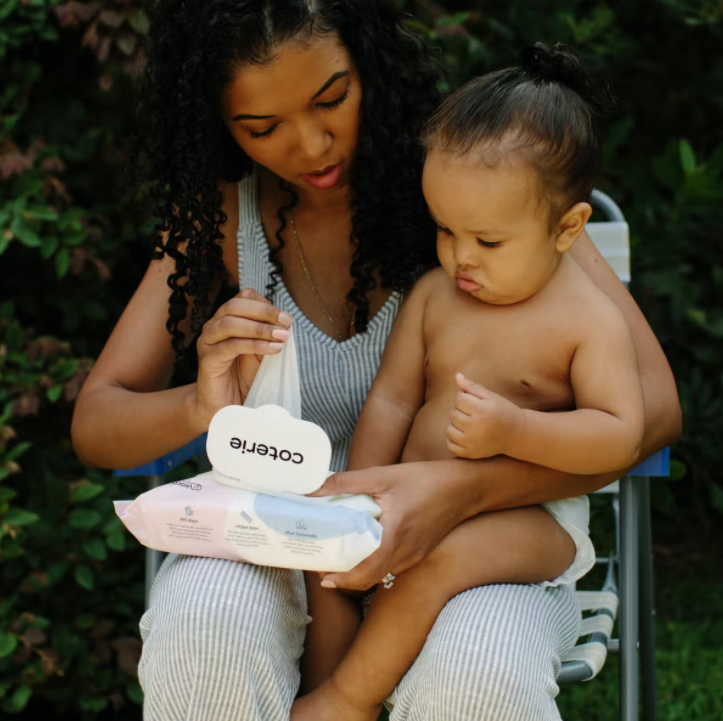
x,y
222,640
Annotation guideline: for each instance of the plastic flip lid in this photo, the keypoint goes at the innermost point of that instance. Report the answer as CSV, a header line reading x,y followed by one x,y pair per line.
x,y
267,450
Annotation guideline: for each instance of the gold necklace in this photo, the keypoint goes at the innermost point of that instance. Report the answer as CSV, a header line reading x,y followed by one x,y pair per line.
x,y
312,287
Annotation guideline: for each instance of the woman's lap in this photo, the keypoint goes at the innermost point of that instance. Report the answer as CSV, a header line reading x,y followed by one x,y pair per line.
x,y
222,642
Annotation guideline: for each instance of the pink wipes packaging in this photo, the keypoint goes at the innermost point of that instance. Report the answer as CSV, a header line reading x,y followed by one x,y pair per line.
x,y
251,507
202,517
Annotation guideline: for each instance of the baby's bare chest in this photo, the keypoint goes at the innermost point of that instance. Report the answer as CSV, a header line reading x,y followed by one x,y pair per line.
x,y
522,353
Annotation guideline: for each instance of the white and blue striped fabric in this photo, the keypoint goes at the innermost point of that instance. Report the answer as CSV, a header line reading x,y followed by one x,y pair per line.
x,y
222,640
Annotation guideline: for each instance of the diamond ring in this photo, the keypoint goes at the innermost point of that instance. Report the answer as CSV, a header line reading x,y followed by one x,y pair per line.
x,y
388,580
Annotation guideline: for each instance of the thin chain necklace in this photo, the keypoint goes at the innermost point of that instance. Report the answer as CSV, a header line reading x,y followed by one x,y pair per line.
x,y
312,287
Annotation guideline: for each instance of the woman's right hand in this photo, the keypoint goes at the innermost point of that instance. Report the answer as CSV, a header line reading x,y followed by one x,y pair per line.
x,y
231,347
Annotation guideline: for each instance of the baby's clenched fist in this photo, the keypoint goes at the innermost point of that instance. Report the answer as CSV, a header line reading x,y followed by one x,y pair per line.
x,y
481,423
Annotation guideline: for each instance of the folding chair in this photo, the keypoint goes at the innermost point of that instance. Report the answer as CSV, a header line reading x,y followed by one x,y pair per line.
x,y
633,555
631,562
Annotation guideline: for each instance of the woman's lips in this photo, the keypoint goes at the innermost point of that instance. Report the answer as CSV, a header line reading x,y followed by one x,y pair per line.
x,y
467,284
326,178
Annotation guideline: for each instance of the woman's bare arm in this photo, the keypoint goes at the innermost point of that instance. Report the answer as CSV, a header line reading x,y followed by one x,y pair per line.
x,y
124,417
663,417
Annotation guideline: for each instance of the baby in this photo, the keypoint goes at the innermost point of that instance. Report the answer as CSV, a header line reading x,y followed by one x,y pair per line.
x,y
534,361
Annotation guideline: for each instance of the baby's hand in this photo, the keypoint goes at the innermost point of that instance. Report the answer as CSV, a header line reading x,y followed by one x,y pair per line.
x,y
481,422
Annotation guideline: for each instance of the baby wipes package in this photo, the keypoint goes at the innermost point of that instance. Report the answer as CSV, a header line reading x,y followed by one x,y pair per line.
x,y
251,506
202,517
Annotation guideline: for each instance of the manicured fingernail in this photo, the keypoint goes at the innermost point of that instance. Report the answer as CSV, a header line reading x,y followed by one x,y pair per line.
x,y
280,334
276,346
328,584
285,319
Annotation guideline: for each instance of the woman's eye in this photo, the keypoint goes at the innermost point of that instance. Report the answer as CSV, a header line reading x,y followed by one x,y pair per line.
x,y
334,103
265,133
488,243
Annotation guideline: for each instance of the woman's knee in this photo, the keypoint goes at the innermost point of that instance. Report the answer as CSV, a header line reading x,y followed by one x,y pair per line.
x,y
205,612
481,686
493,655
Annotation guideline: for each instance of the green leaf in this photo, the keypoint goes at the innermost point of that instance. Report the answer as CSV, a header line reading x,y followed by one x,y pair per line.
x,y
41,213
8,644
50,245
7,311
19,700
6,605
18,450
84,577
95,548
139,21
84,518
687,157
54,393
716,497
62,262
17,517
93,704
677,471
57,570
134,692
24,233
450,20
87,491
7,494
116,541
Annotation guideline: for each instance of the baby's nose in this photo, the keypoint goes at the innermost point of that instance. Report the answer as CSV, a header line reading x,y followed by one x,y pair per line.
x,y
465,255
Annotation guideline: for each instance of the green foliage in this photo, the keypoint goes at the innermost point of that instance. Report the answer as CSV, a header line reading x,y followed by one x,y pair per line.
x,y
74,244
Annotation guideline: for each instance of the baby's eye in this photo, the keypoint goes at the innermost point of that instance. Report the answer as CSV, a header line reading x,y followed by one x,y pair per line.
x,y
441,229
488,243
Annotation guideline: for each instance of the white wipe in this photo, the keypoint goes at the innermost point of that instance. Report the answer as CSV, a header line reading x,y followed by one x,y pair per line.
x,y
201,517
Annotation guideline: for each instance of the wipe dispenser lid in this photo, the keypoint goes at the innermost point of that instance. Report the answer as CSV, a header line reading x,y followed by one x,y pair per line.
x,y
267,450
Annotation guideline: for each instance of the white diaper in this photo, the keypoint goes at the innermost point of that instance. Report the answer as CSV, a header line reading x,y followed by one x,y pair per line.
x,y
573,514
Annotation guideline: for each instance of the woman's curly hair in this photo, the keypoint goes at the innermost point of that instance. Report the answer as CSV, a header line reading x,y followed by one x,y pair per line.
x,y
184,149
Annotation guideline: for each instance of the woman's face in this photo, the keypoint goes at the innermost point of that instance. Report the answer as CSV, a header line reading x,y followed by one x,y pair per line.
x,y
299,114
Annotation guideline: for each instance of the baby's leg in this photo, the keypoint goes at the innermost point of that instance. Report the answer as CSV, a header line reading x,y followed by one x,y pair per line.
x,y
335,620
523,545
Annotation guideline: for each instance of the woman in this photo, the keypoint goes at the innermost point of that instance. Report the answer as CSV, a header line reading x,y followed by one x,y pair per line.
x,y
282,136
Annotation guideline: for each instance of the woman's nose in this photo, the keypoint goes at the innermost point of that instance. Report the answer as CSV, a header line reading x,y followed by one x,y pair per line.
x,y
314,140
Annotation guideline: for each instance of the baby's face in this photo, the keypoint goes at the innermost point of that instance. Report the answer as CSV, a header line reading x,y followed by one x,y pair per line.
x,y
493,236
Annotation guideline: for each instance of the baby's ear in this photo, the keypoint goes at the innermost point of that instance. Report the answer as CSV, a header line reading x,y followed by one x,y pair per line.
x,y
571,226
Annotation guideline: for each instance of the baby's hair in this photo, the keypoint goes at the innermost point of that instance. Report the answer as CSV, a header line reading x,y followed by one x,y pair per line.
x,y
550,108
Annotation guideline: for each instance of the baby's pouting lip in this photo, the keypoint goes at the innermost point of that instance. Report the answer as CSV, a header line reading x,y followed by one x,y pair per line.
x,y
466,282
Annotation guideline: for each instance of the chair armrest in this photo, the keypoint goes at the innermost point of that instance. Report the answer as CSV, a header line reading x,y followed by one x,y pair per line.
x,y
657,465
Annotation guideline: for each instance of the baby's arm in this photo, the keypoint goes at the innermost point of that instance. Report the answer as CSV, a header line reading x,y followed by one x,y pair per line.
x,y
398,389
603,434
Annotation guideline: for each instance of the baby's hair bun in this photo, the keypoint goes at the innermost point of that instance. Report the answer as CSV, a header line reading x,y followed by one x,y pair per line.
x,y
561,64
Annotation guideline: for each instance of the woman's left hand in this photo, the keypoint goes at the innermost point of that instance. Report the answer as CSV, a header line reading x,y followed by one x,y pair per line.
x,y
418,510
